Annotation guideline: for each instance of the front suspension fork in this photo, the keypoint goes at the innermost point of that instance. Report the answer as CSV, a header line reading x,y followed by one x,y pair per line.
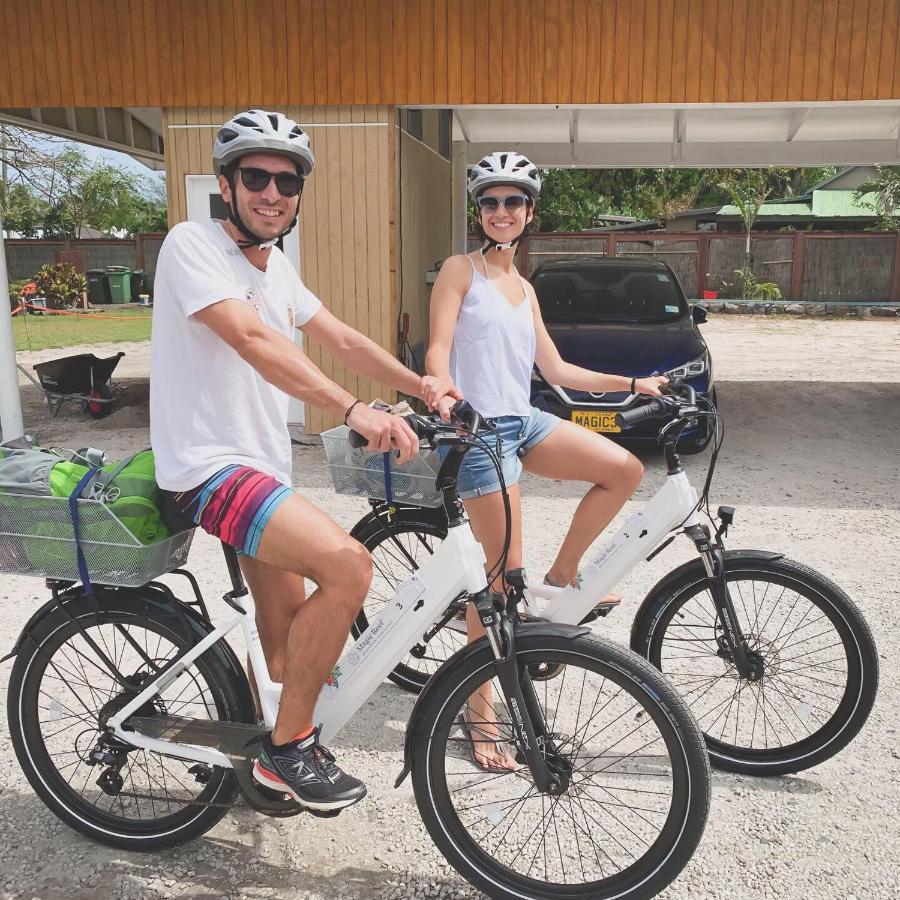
x,y
525,712
713,556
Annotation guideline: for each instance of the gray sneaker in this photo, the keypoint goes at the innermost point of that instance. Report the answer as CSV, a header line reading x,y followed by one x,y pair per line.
x,y
307,771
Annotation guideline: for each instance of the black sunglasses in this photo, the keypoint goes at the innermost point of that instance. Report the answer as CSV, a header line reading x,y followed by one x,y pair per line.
x,y
289,184
511,202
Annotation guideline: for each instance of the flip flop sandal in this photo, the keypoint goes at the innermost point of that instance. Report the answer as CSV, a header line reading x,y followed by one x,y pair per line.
x,y
478,735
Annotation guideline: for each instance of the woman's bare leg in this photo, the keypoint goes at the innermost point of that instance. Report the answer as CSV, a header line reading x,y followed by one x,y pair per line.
x,y
573,453
488,521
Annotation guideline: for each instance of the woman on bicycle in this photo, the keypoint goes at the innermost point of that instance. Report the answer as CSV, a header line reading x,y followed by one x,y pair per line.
x,y
487,333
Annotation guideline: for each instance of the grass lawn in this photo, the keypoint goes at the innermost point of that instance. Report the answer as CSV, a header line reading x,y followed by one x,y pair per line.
x,y
114,324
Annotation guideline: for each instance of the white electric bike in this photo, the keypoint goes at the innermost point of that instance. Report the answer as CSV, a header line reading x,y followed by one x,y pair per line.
x,y
133,721
776,662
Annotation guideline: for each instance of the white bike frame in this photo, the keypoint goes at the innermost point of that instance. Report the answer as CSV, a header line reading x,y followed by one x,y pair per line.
x,y
673,505
456,566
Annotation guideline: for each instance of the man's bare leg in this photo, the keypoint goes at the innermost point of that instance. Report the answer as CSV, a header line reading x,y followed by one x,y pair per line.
x,y
302,540
278,596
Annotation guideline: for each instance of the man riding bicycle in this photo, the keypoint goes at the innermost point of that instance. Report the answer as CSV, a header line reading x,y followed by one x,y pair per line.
x,y
223,365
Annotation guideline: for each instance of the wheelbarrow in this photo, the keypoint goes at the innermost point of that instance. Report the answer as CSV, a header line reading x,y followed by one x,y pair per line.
x,y
84,378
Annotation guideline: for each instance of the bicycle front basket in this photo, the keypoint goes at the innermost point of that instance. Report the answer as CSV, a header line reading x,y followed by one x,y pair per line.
x,y
361,474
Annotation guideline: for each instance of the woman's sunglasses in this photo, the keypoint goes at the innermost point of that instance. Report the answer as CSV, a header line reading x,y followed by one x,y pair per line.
x,y
288,183
512,202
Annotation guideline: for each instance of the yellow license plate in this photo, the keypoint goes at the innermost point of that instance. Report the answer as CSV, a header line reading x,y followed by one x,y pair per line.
x,y
604,422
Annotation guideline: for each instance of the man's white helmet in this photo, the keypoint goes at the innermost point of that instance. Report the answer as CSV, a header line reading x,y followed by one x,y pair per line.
x,y
505,167
258,131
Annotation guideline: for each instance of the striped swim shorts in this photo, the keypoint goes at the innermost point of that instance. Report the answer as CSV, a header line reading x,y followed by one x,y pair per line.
x,y
234,505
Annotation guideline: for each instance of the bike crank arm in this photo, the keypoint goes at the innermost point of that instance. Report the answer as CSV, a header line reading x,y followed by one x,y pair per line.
x,y
239,741
525,716
713,557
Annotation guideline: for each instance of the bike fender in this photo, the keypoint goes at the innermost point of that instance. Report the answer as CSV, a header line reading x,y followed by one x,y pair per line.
x,y
693,568
535,629
417,513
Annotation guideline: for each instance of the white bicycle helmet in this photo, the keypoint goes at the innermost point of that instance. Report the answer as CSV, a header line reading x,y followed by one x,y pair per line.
x,y
258,131
505,167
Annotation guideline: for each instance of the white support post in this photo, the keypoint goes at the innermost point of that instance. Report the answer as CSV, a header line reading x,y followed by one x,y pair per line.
x,y
679,131
459,178
573,133
10,405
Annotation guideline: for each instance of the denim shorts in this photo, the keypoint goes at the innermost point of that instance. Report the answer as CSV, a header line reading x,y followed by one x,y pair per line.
x,y
518,434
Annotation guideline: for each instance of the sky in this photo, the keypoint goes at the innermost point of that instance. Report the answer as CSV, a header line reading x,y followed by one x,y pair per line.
x,y
102,155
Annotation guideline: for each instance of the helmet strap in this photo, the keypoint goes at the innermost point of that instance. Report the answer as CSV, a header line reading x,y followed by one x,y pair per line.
x,y
253,239
491,244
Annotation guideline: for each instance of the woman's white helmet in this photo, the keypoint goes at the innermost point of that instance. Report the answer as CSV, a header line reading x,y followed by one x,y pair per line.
x,y
259,131
505,167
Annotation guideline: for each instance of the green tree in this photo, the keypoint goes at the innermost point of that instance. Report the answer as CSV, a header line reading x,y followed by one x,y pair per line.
x,y
886,186
747,189
68,191
22,212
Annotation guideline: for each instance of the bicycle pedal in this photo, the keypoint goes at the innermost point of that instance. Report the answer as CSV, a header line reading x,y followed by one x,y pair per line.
x,y
601,611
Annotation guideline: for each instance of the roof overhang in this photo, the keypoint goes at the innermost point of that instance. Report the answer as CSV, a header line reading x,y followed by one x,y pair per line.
x,y
136,131
690,135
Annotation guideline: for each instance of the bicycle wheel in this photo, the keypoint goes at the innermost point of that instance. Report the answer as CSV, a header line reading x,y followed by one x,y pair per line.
x,y
398,548
636,776
820,666
60,696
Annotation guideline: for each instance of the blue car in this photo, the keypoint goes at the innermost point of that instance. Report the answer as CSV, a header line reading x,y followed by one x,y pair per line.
x,y
626,317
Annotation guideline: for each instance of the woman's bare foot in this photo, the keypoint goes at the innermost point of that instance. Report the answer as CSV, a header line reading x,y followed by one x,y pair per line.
x,y
489,751
554,580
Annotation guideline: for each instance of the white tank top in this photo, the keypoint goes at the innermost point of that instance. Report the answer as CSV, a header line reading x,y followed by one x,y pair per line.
x,y
493,350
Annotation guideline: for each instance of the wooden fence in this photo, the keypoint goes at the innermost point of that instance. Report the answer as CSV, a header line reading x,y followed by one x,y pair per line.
x,y
815,266
25,256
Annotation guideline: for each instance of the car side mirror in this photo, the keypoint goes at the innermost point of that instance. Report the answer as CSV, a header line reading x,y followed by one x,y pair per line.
x,y
699,314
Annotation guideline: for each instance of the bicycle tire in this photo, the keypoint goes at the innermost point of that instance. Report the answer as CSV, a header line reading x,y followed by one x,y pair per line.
x,y
808,691
44,765
648,698
395,545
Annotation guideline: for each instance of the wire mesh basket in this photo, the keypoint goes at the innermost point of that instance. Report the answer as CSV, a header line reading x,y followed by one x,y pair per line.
x,y
37,538
361,473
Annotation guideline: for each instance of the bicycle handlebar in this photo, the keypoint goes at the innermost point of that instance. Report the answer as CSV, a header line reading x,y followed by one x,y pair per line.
x,y
427,428
677,394
650,410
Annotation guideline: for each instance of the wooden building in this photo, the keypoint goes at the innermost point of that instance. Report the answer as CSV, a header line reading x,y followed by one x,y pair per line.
x,y
399,96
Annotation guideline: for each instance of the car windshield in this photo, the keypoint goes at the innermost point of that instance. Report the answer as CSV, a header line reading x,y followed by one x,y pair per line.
x,y
605,294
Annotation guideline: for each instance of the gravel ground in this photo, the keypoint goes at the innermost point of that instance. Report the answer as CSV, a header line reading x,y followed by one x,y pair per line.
x,y
813,430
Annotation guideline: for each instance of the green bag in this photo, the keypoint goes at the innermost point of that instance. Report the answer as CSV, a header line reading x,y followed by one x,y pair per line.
x,y
128,488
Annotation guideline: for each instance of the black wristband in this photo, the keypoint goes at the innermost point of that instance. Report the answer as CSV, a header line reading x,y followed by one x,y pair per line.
x,y
350,410
632,384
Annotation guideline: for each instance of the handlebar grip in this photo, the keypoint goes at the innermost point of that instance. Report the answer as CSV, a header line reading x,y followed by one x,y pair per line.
x,y
650,410
462,411
357,440
467,415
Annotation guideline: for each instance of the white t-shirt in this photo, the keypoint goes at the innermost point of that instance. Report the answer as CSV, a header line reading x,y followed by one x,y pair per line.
x,y
208,407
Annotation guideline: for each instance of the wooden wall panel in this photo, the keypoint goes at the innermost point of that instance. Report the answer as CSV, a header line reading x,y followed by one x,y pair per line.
x,y
177,53
346,216
425,229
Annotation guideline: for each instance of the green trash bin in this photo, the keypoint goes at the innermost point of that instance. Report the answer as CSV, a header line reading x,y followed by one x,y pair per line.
x,y
118,278
98,289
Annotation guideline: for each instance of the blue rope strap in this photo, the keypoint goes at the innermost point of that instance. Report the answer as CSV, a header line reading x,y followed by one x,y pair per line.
x,y
388,491
76,530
